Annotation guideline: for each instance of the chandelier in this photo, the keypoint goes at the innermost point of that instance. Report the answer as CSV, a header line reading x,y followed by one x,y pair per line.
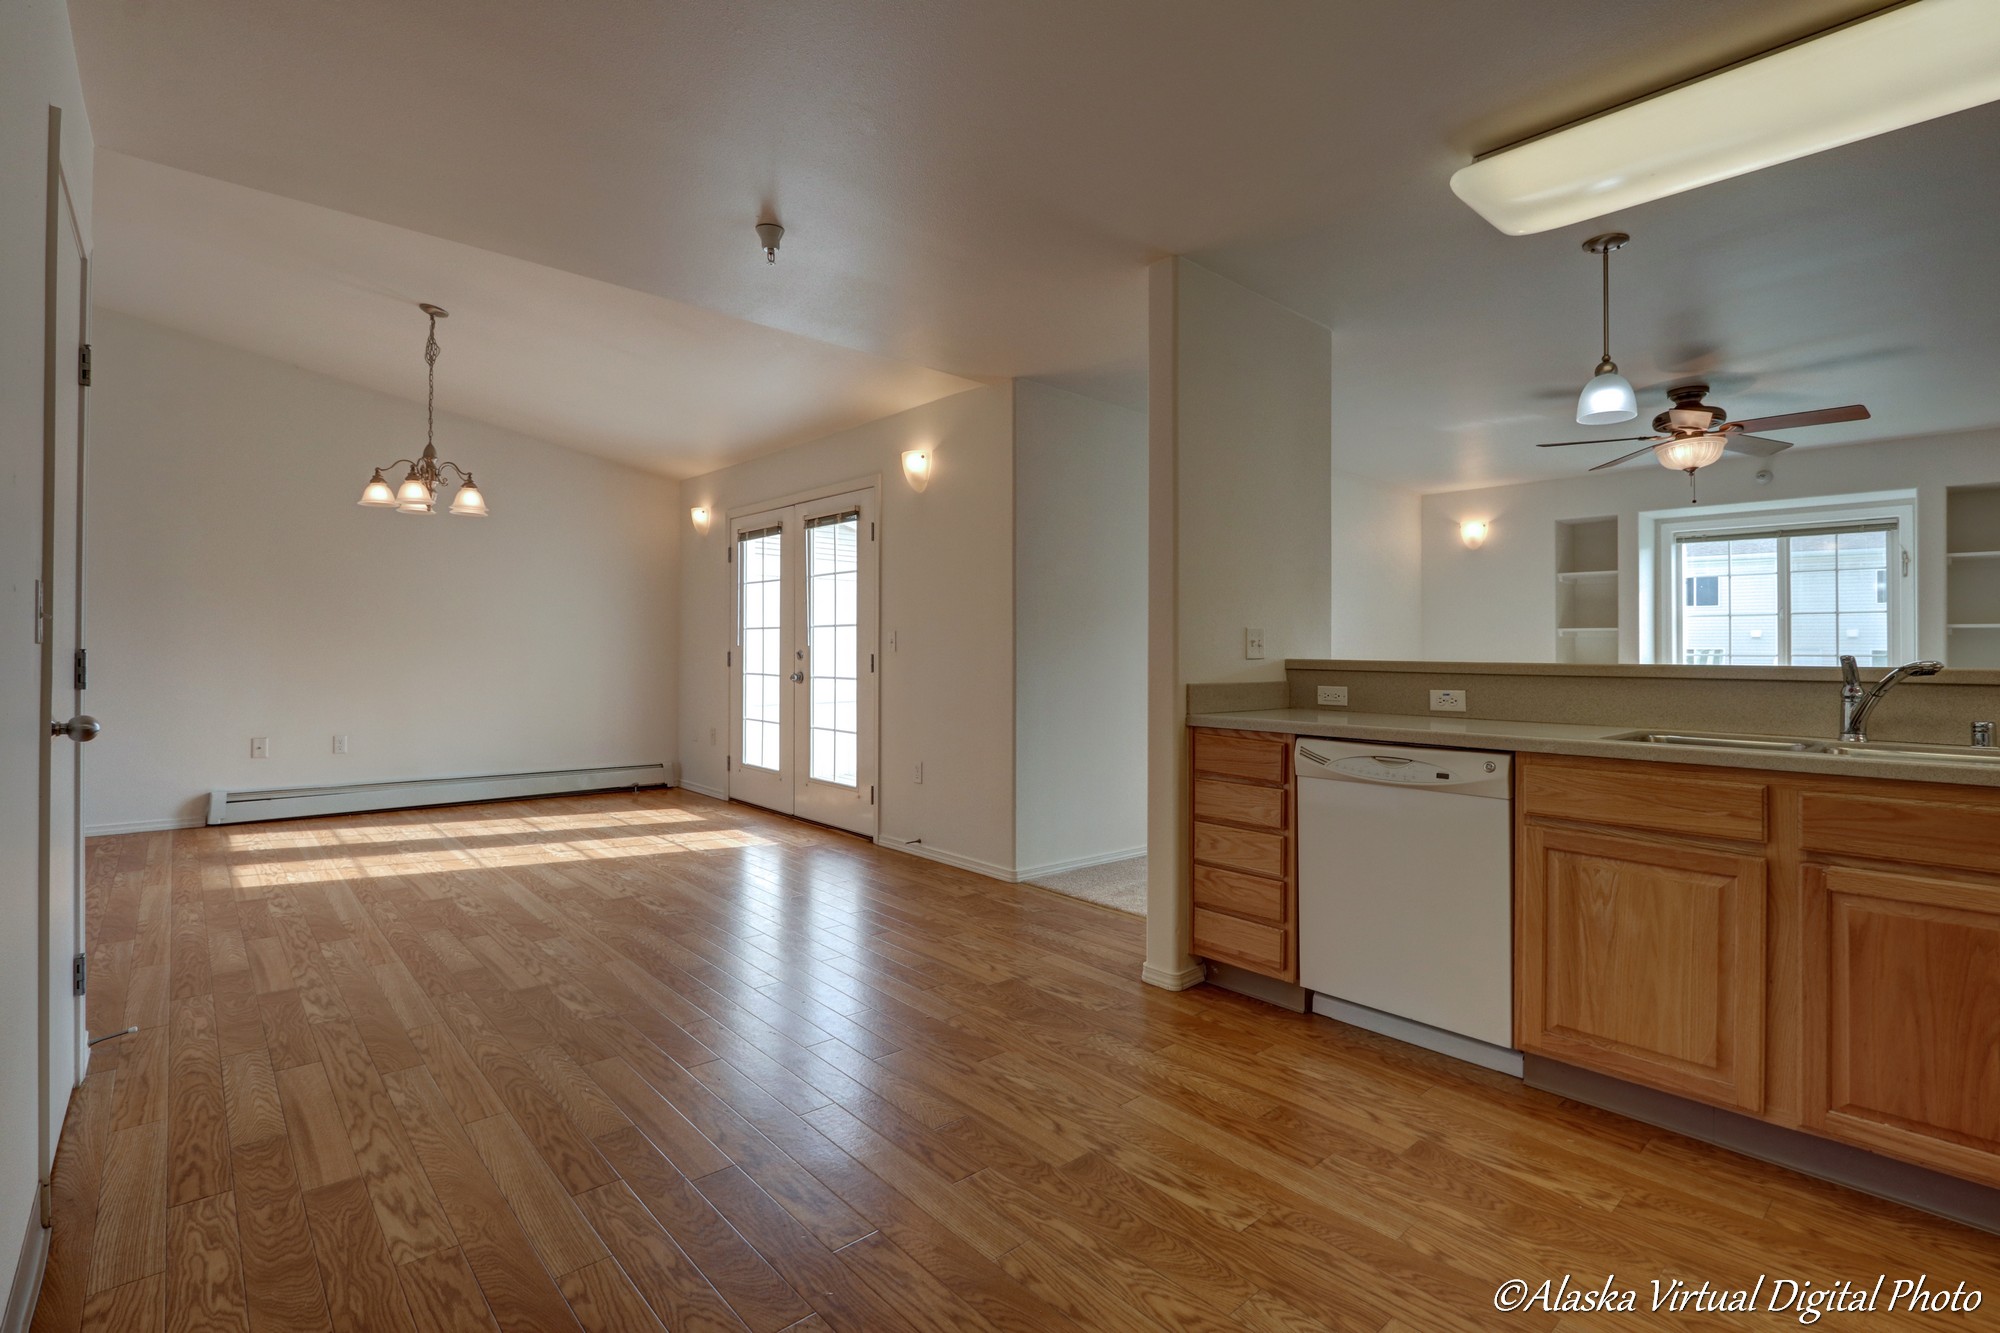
x,y
418,491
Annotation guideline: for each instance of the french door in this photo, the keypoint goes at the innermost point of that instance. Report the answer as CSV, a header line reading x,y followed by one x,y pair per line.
x,y
802,671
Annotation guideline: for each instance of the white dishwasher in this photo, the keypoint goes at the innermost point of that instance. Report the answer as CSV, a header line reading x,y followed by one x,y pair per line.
x,y
1405,894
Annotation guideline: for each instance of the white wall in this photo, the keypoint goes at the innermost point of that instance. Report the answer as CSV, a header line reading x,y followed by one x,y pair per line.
x,y
1498,603
1079,629
1377,569
236,590
37,70
1240,522
1254,438
947,574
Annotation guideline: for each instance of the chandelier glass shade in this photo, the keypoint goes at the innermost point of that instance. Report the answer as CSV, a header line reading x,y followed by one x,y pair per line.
x,y
418,491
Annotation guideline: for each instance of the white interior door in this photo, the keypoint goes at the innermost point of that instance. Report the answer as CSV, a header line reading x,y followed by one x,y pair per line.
x,y
804,701
64,1045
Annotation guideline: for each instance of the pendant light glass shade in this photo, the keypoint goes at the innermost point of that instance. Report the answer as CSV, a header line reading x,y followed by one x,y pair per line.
x,y
1607,400
469,502
413,491
1689,451
377,494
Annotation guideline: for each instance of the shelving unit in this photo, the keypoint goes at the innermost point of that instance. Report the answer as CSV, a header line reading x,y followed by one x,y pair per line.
x,y
1972,575
1587,590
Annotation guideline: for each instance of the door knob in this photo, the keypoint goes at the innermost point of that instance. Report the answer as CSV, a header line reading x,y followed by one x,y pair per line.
x,y
82,727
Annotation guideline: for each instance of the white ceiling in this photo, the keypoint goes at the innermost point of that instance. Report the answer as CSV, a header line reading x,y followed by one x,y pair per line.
x,y
656,383
976,186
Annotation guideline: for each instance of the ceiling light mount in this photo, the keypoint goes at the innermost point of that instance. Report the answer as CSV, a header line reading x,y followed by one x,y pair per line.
x,y
769,235
418,491
1608,398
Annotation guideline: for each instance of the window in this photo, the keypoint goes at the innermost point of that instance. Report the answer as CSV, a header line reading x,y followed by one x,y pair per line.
x,y
833,576
1792,596
760,562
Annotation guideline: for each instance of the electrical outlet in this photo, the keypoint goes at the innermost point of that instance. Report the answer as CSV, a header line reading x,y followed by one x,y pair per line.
x,y
260,747
1333,696
1253,644
340,744
917,775
711,735
1447,701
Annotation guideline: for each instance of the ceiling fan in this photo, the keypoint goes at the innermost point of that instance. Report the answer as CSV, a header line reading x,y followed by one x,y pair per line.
x,y
1692,434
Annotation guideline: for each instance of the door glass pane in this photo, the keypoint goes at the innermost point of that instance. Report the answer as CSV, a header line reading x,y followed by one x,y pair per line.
x,y
833,582
760,611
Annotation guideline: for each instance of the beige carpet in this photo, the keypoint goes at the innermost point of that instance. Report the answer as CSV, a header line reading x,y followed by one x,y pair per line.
x,y
1117,884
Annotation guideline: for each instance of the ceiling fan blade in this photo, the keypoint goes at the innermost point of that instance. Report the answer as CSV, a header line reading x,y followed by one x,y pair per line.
x,y
1621,439
1626,459
1824,416
1755,445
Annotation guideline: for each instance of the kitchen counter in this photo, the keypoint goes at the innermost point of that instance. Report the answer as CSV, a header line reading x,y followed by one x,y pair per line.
x,y
1570,738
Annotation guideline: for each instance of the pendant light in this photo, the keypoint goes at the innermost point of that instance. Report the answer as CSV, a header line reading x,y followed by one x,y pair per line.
x,y
417,493
1608,398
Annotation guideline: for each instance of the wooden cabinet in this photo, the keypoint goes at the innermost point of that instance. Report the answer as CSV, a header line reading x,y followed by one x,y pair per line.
x,y
1242,848
1643,958
1822,952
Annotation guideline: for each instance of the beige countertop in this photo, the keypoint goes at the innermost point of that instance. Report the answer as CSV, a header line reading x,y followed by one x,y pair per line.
x,y
1569,738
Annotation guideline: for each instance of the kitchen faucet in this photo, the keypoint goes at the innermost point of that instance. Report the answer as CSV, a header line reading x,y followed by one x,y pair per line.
x,y
1856,703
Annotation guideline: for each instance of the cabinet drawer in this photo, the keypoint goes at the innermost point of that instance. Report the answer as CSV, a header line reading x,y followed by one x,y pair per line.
x,y
1240,849
1245,895
1667,798
1240,754
1240,803
1231,939
1923,830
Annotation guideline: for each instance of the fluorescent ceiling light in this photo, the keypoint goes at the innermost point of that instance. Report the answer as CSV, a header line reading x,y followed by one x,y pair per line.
x,y
1922,60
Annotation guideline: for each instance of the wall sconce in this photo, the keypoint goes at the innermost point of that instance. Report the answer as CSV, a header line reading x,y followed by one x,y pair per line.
x,y
1473,533
699,514
917,468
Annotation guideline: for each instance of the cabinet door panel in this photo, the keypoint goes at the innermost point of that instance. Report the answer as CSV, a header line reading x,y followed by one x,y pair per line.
x,y
1643,959
1902,978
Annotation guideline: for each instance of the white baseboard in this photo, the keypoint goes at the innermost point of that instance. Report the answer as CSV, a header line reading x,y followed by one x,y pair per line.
x,y
140,826
1173,978
939,854
27,1284
700,790
1080,863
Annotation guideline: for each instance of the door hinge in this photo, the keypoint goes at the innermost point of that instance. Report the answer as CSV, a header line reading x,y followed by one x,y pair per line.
x,y
1906,562
82,674
46,1195
41,612
729,555
79,974
729,658
83,365
871,663
728,763
871,796
871,532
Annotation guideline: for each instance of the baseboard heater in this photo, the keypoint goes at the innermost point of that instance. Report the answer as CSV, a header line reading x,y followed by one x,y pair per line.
x,y
242,807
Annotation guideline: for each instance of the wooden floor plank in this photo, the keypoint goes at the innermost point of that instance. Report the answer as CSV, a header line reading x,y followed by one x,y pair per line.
x,y
648,1060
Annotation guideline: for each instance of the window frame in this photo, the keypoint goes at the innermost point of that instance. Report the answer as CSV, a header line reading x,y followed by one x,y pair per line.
x,y
1664,531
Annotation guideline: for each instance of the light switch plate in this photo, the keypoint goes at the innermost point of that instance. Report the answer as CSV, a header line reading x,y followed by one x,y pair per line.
x,y
1333,696
1447,701
1253,644
260,747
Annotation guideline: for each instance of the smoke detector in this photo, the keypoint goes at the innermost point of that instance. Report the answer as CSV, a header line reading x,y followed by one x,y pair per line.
x,y
768,236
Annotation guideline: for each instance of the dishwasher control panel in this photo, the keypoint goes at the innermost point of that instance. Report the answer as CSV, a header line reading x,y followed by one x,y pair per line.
x,y
1400,766
1389,768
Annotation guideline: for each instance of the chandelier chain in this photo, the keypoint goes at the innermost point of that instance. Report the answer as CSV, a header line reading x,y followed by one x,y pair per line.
x,y
431,350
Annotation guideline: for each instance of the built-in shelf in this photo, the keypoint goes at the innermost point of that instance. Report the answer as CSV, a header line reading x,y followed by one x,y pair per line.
x,y
1972,574
1586,589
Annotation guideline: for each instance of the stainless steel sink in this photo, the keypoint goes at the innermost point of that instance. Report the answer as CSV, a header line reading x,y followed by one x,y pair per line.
x,y
1714,741
1913,752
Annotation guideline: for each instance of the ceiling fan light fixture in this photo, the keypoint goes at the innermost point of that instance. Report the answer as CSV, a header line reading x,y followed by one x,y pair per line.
x,y
1901,67
1687,452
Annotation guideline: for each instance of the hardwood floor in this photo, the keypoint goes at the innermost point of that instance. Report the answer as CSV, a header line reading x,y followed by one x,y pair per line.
x,y
652,1061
